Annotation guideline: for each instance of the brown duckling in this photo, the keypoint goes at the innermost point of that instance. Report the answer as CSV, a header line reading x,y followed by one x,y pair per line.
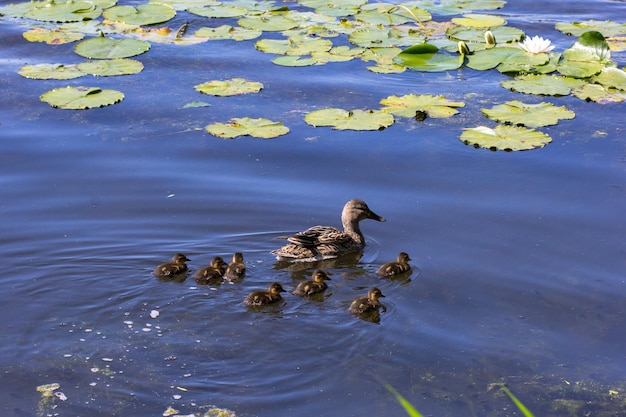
x,y
314,286
367,304
211,273
176,266
236,269
272,295
400,266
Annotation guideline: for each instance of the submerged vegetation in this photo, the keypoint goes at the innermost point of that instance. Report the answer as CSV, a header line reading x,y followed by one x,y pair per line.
x,y
395,37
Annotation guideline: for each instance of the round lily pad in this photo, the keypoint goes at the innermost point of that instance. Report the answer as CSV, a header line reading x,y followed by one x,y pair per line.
x,y
413,105
109,48
505,138
77,98
549,85
258,128
606,27
63,11
232,87
294,61
341,119
51,72
111,67
530,115
479,20
268,22
143,14
222,10
228,32
427,57
52,37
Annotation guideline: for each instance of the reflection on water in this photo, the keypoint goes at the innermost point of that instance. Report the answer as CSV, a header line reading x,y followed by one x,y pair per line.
x,y
518,258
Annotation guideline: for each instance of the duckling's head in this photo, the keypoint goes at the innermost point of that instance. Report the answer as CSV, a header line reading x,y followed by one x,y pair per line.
x,y
374,294
217,262
403,258
356,209
320,276
276,288
180,258
238,257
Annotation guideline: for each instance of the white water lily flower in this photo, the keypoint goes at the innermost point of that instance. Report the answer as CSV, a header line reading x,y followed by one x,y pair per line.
x,y
536,45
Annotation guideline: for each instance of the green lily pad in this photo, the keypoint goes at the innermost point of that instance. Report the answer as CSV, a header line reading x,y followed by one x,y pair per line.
x,y
611,77
219,11
334,8
268,22
390,14
111,67
412,104
587,57
143,14
258,128
455,7
51,72
63,11
232,87
341,119
109,48
525,62
337,54
295,61
52,36
606,27
383,57
504,138
599,94
541,84
78,98
196,104
529,115
487,59
427,57
479,20
295,45
503,34
228,32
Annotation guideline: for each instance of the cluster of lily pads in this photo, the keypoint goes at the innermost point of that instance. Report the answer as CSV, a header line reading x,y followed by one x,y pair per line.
x,y
393,37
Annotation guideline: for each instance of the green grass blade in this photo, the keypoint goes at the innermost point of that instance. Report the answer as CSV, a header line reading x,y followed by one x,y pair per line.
x,y
517,402
410,410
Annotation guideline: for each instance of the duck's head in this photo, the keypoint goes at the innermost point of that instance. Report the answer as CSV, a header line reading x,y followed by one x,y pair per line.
x,y
403,258
217,262
320,276
238,257
180,258
276,288
357,210
374,294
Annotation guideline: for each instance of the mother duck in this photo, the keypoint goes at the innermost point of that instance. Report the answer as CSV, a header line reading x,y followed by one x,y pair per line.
x,y
327,242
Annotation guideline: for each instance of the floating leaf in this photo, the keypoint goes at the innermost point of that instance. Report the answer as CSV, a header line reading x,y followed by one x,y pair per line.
x,y
111,67
63,11
268,22
390,14
350,120
530,115
109,48
490,58
611,77
295,45
76,98
232,87
294,61
606,27
52,37
195,104
51,72
337,54
599,94
549,85
228,32
334,8
412,104
258,128
589,54
143,14
427,57
448,7
503,34
479,20
504,138
526,62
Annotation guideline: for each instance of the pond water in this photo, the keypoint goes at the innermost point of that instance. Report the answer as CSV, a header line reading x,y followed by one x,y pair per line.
x,y
519,258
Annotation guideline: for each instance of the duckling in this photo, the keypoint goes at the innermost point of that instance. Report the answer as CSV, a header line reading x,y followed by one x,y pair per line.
x,y
236,269
272,295
327,242
398,267
211,273
367,304
314,286
177,266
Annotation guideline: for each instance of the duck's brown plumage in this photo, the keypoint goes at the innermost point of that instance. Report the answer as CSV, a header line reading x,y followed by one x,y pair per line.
x,y
368,303
236,269
397,267
314,286
176,266
272,295
326,242
211,273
